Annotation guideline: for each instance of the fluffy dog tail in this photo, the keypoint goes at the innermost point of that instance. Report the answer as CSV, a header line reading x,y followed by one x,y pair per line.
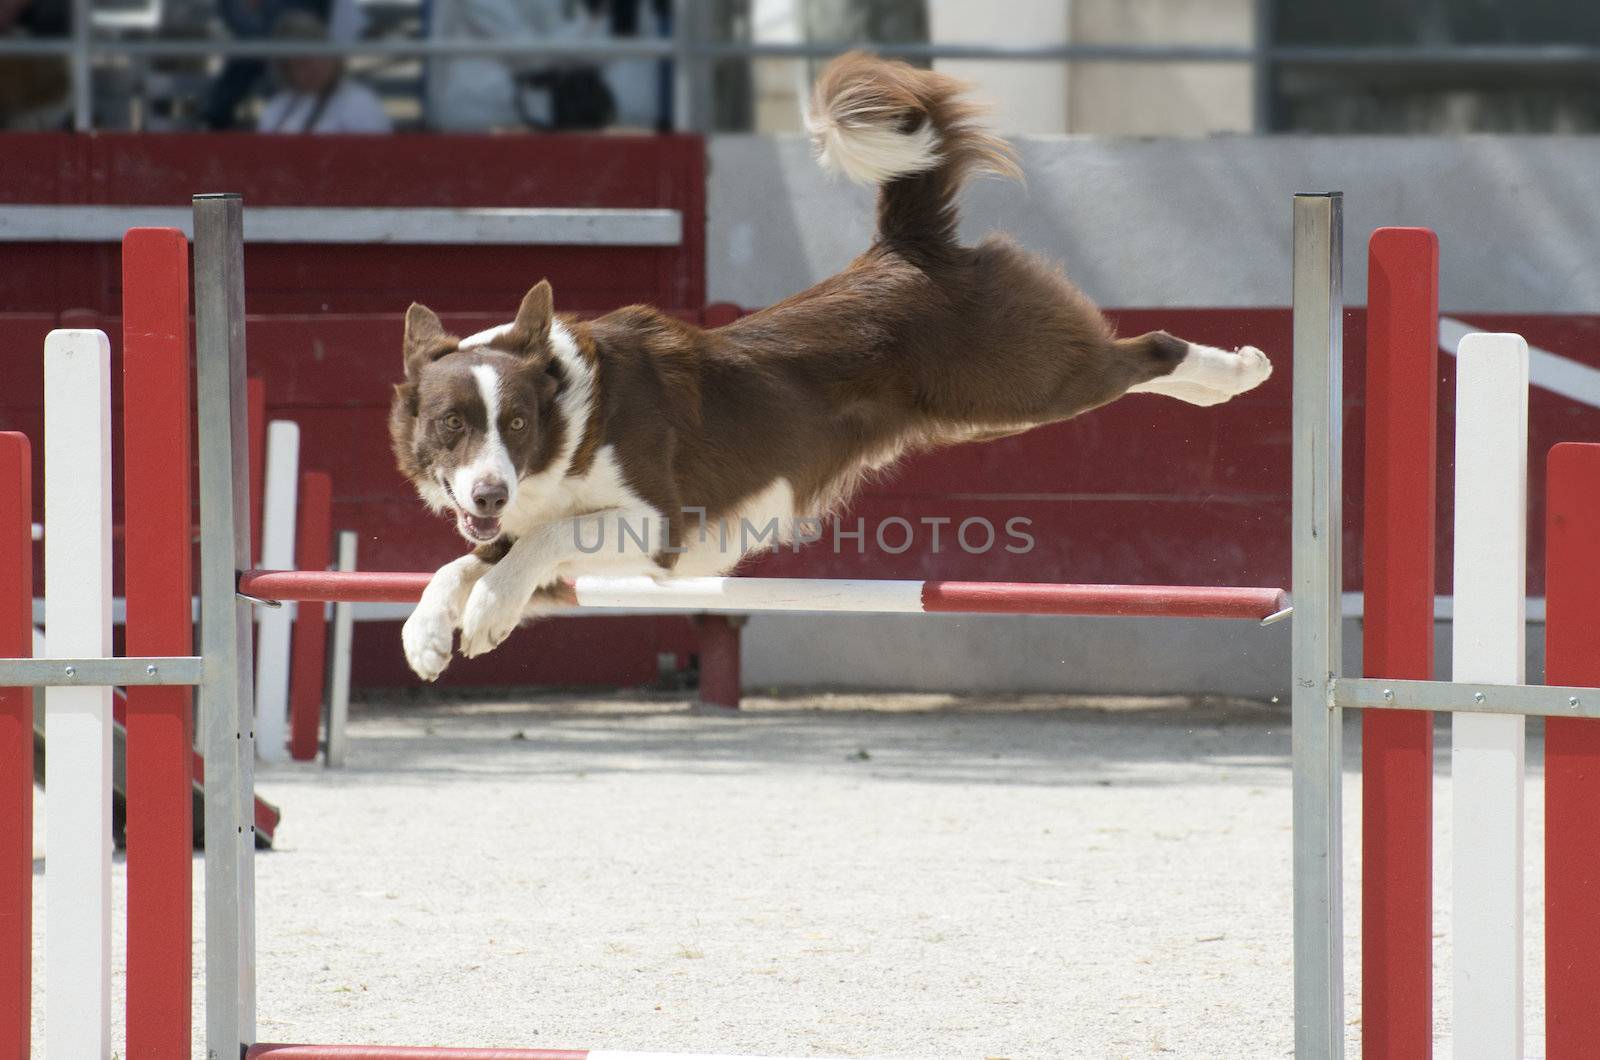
x,y
912,133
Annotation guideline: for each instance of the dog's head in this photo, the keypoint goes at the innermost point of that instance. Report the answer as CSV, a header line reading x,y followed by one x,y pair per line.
x,y
475,417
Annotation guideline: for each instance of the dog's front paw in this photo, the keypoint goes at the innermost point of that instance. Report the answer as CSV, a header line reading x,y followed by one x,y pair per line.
x,y
490,616
426,638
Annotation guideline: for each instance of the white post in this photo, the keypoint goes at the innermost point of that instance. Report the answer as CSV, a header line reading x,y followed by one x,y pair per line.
x,y
77,575
1487,646
273,624
339,683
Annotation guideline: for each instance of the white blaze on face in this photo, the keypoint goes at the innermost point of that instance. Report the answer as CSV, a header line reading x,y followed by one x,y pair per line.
x,y
492,461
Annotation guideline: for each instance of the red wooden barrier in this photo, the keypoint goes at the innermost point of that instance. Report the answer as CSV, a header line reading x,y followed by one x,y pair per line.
x,y
16,748
1572,755
158,584
313,551
1397,746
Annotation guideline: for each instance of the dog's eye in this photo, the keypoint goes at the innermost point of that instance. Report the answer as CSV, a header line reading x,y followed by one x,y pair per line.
x,y
517,423
453,422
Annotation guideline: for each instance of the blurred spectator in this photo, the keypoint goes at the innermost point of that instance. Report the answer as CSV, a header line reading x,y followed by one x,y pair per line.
x,y
257,19
865,23
499,92
315,95
34,89
731,103
481,93
642,87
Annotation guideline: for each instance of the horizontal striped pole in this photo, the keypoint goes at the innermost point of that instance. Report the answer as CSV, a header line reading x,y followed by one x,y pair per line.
x,y
424,1052
742,595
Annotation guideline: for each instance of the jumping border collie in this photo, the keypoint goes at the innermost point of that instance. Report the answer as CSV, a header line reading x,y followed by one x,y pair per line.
x,y
627,444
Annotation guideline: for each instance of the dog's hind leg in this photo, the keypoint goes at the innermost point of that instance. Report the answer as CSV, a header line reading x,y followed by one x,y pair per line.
x,y
1199,375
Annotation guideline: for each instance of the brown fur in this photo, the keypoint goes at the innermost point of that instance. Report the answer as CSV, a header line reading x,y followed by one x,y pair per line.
x,y
920,342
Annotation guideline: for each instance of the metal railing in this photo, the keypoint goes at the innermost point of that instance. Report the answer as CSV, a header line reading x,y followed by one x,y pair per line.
x,y
693,53
690,47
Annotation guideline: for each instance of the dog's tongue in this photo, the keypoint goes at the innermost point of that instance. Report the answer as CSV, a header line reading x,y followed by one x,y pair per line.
x,y
482,526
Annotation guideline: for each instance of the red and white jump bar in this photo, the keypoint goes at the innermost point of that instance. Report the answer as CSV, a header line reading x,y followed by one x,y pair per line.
x,y
746,595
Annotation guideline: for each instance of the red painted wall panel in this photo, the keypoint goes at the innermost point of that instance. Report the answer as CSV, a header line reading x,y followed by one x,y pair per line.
x,y
618,171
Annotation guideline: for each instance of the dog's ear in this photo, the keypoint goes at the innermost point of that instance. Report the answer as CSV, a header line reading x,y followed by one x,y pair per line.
x,y
531,329
405,398
426,340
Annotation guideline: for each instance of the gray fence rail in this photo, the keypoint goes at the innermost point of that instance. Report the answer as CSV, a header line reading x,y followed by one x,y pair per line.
x,y
694,52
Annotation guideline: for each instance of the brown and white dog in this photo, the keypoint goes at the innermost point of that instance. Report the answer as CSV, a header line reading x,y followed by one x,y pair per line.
x,y
620,445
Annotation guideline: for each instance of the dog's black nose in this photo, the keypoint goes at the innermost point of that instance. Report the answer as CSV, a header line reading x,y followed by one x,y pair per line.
x,y
489,496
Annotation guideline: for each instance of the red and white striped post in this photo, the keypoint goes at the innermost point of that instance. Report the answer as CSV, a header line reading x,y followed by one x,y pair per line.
x,y
16,747
1572,754
1397,641
157,456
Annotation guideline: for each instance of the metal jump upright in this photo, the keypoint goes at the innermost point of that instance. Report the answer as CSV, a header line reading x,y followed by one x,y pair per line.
x,y
226,686
1317,538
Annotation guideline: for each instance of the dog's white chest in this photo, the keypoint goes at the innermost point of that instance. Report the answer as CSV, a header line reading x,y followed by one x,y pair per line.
x,y
552,496
715,545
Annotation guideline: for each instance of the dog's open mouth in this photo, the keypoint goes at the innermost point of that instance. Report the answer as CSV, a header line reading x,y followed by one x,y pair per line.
x,y
479,529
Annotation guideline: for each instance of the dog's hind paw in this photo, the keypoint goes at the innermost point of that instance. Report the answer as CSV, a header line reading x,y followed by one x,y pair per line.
x,y
1254,369
426,638
1209,376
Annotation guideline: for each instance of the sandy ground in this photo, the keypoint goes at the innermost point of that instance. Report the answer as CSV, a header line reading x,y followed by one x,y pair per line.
x,y
822,876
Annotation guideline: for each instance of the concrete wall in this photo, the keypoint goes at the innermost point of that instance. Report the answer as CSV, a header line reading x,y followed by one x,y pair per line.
x,y
1143,223
1038,653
